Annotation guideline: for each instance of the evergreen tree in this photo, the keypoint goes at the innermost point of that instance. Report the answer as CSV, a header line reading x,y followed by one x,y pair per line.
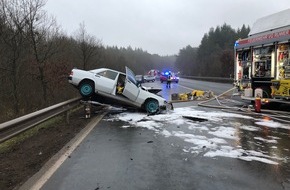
x,y
214,56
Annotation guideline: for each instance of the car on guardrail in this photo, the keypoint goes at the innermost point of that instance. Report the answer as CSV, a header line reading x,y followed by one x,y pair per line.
x,y
121,88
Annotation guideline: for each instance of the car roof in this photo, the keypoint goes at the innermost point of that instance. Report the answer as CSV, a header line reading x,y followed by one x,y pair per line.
x,y
104,69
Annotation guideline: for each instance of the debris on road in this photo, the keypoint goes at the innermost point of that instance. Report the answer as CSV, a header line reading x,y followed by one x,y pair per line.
x,y
193,95
195,118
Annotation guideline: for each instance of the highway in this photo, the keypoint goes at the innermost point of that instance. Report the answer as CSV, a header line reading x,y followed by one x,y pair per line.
x,y
217,88
191,147
187,85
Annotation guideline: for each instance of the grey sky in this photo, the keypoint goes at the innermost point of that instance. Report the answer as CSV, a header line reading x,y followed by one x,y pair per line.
x,y
157,26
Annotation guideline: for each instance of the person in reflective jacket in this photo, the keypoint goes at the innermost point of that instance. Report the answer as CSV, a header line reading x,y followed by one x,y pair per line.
x,y
168,84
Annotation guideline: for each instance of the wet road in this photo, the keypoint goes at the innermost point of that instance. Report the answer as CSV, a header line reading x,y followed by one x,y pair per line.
x,y
168,151
114,158
187,85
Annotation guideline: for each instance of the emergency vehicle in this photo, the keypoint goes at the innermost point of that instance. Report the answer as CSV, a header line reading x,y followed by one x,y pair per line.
x,y
262,61
154,72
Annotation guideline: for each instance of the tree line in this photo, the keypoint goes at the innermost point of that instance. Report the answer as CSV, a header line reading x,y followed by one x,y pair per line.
x,y
36,57
215,55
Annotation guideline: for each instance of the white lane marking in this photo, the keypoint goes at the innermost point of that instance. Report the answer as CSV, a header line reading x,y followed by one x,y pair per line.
x,y
64,154
185,87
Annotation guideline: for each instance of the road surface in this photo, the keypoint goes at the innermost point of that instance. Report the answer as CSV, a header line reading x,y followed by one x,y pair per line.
x,y
191,147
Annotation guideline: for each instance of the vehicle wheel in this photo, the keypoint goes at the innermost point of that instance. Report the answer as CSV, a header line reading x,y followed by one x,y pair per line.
x,y
151,106
153,80
161,81
86,89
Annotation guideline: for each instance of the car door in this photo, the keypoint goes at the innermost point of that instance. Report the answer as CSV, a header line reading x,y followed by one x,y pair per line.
x,y
106,81
131,90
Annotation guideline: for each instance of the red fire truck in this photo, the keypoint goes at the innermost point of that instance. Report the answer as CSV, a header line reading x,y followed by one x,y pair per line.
x,y
262,61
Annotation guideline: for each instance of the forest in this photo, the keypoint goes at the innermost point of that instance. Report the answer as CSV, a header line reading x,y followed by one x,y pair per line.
x,y
37,57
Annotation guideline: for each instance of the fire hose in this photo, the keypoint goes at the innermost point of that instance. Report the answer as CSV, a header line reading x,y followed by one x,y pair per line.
x,y
247,111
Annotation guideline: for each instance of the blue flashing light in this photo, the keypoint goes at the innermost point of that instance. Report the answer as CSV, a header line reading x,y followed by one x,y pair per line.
x,y
236,43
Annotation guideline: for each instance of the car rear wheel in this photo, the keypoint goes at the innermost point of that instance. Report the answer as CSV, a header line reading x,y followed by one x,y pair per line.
x,y
86,89
151,106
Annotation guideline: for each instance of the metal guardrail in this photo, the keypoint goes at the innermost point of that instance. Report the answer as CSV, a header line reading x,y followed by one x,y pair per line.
x,y
28,121
13,127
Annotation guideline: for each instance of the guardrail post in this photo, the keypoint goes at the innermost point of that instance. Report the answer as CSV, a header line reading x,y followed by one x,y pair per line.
x,y
67,117
87,110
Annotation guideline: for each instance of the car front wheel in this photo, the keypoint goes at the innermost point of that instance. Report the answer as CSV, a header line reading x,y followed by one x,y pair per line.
x,y
86,89
151,106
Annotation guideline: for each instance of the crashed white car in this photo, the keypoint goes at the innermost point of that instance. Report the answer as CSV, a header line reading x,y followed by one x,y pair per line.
x,y
117,87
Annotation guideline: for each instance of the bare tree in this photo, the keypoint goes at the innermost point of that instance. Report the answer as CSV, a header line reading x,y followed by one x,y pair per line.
x,y
87,46
12,50
41,31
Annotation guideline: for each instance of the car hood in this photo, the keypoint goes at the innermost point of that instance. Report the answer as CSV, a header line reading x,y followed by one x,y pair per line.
x,y
152,89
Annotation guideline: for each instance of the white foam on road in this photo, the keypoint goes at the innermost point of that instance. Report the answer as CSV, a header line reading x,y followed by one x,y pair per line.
x,y
272,124
220,135
249,128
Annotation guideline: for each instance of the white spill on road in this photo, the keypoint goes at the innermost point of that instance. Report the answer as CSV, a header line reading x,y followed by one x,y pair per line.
x,y
221,134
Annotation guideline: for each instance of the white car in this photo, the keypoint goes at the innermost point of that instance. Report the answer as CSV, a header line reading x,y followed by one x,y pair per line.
x,y
149,78
117,86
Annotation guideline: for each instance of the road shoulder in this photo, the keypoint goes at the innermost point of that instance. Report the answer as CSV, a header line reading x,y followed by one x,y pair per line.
x,y
40,178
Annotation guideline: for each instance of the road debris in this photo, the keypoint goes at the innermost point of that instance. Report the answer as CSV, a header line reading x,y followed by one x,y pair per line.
x,y
195,118
193,95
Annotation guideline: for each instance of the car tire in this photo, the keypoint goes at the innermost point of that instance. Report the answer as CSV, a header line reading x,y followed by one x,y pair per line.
x,y
151,106
161,81
86,88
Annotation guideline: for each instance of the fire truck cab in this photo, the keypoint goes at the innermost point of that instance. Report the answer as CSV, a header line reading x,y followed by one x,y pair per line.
x,y
262,61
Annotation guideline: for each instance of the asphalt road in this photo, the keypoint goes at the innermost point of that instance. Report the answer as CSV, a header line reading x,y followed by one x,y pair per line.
x,y
114,158
187,85
168,151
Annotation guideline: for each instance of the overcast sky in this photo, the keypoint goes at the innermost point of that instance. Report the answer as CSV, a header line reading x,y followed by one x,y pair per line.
x,y
157,26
